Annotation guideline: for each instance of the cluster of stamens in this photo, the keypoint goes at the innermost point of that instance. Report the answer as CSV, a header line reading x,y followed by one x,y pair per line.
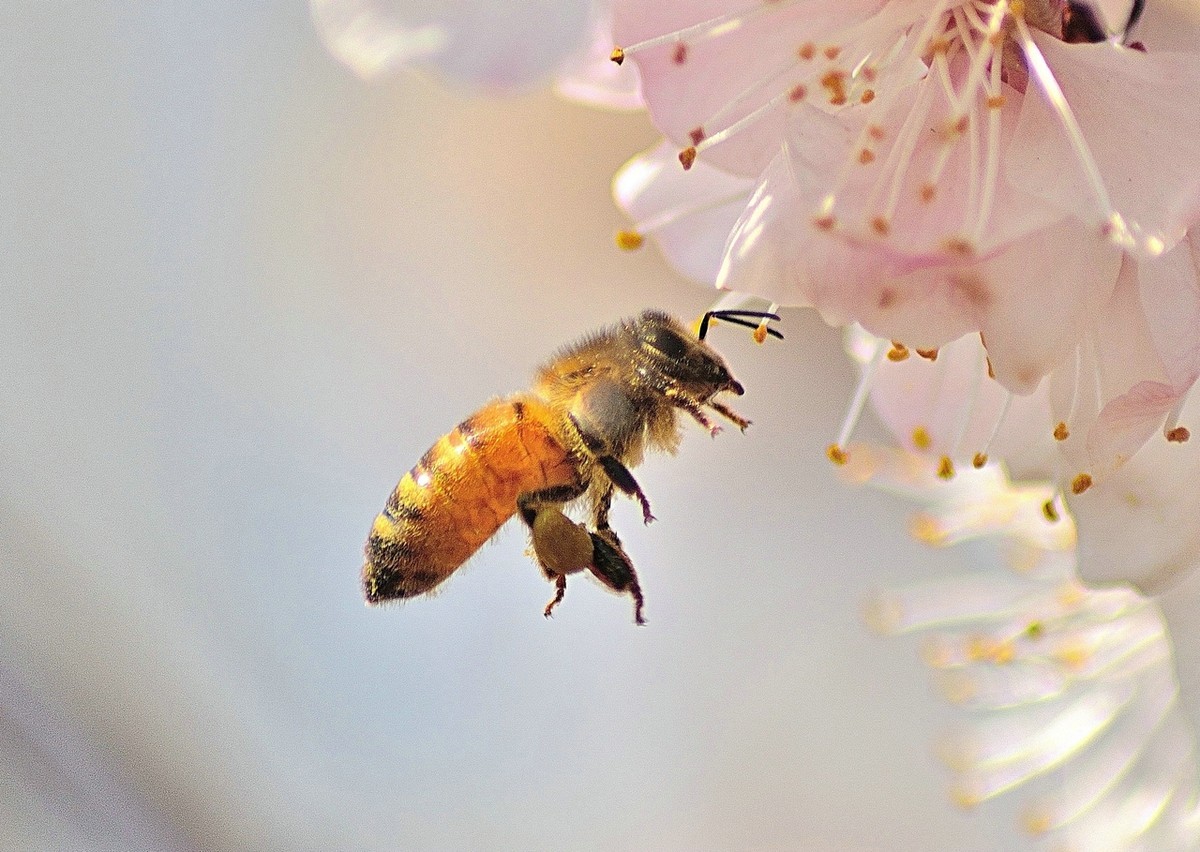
x,y
971,51
874,355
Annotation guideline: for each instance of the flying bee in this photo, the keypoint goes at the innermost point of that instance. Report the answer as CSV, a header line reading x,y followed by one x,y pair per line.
x,y
592,412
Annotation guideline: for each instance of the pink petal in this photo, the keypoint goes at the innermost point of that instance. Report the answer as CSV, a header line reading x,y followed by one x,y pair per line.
x,y
1169,287
1140,115
490,43
689,214
1035,299
715,74
1031,300
1140,527
954,403
1138,361
1126,423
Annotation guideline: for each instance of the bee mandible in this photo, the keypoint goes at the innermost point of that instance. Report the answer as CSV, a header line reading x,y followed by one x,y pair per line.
x,y
594,409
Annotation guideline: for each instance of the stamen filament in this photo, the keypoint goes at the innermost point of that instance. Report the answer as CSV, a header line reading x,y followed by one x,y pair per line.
x,y
987,447
860,394
964,415
705,29
1058,101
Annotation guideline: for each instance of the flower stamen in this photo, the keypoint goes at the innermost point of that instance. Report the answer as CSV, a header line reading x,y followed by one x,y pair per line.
x,y
835,451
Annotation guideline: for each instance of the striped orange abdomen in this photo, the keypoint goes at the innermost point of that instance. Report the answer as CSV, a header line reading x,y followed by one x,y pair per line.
x,y
460,493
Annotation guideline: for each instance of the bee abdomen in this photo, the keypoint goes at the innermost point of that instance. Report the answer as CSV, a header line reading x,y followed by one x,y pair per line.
x,y
459,494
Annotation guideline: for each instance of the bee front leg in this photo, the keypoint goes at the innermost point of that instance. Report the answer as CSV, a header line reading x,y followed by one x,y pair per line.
x,y
729,414
692,406
617,473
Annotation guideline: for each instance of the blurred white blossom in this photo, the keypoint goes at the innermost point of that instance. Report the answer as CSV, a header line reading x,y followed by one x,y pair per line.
x,y
1068,693
490,44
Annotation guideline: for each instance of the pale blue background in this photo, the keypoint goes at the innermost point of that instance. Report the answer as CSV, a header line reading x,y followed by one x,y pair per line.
x,y
241,293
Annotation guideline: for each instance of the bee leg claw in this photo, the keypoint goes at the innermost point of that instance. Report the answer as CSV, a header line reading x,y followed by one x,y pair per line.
x,y
560,583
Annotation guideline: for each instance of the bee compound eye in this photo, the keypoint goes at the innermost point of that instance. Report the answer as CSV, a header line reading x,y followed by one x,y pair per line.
x,y
667,342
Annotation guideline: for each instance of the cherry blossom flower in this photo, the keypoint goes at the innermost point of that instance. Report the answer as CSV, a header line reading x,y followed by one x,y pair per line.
x,y
1068,692
491,44
938,169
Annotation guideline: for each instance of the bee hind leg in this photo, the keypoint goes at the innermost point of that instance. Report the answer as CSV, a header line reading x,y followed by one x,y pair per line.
x,y
612,567
560,546
560,590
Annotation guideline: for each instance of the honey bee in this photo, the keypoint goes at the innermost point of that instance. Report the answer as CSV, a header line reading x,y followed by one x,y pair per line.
x,y
594,409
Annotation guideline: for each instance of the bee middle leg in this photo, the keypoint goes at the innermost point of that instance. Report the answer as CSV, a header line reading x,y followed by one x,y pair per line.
x,y
617,472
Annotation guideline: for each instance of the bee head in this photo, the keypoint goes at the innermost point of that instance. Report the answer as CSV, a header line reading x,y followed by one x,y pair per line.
x,y
667,349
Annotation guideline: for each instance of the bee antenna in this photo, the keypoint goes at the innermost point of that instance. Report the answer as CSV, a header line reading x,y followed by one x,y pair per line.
x,y
738,317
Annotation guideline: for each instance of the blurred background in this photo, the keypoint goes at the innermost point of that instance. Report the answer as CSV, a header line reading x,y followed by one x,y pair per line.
x,y
242,293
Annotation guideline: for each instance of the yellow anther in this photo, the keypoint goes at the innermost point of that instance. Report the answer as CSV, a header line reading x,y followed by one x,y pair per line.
x,y
926,529
921,439
898,352
1061,432
836,454
979,460
1081,483
1037,821
630,240
1050,512
687,156
759,334
945,468
617,55
1074,655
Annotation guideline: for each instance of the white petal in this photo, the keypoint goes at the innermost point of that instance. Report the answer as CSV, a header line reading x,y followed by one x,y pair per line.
x,y
593,78
491,43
